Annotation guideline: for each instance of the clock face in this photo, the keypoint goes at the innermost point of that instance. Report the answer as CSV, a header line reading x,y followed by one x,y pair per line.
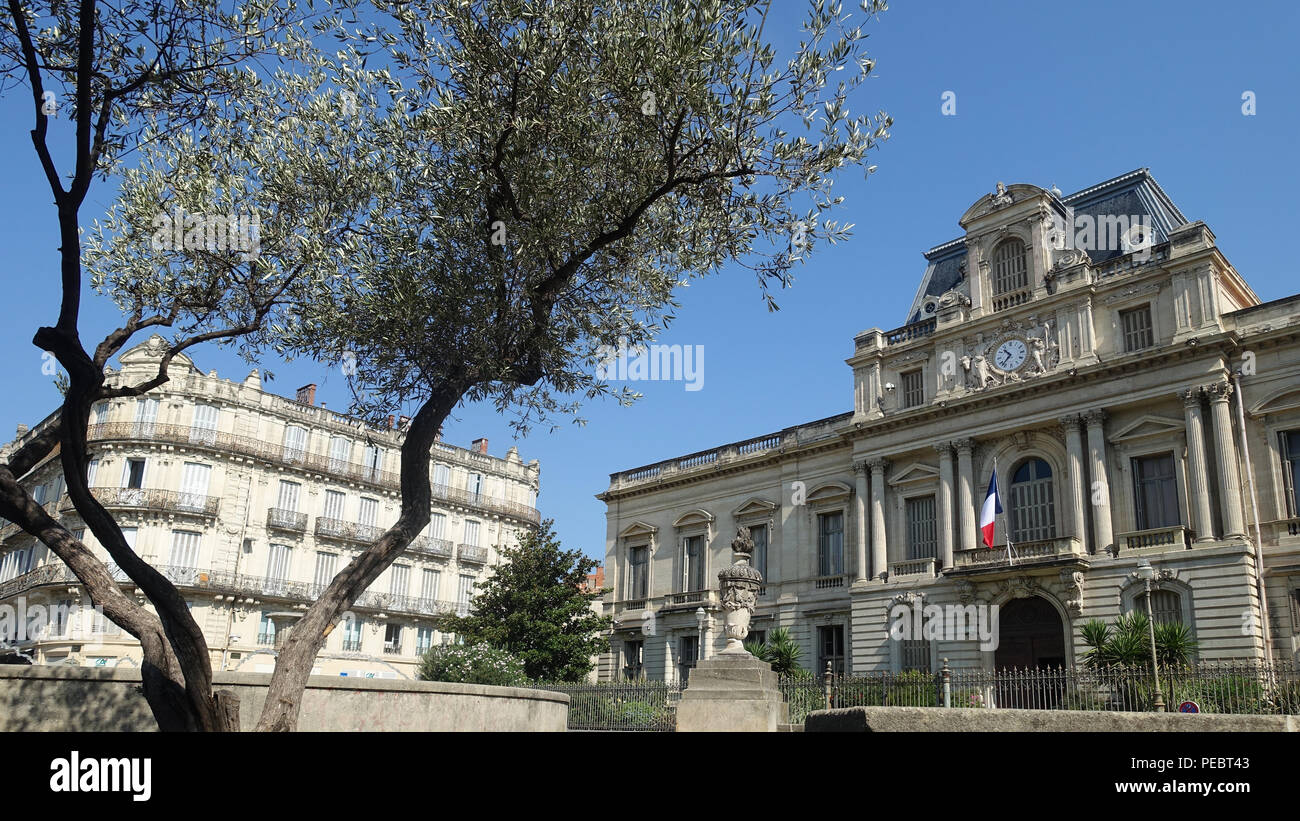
x,y
1010,355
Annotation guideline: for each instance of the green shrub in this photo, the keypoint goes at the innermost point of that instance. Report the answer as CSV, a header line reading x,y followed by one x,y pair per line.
x,y
472,664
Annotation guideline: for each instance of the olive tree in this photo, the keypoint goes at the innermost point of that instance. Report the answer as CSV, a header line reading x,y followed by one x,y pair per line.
x,y
167,85
555,169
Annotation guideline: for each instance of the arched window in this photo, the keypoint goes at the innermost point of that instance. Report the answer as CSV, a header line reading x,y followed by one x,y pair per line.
x,y
1033,512
1010,267
1166,606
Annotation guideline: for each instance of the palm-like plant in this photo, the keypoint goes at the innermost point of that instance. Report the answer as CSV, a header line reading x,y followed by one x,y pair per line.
x,y
780,650
1128,644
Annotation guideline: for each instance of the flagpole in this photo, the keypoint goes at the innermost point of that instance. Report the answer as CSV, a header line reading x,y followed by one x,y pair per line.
x,y
1011,556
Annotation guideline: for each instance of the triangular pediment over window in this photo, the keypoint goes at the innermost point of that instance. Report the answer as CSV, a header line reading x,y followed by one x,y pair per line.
x,y
754,507
1149,426
638,530
915,472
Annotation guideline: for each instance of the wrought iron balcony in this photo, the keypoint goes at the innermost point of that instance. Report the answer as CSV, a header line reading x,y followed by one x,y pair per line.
x,y
352,645
152,499
347,531
282,519
470,553
437,548
1046,551
226,443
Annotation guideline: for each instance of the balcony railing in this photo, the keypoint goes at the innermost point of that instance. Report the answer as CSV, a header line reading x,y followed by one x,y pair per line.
x,y
826,582
912,567
347,531
228,443
1011,299
470,553
391,649
907,333
352,645
1280,529
1022,553
426,546
266,639
1167,537
282,519
153,499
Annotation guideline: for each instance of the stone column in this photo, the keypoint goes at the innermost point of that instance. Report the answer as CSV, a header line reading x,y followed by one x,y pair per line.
x,y
966,492
860,515
879,557
1198,480
944,519
1100,495
1225,453
1073,426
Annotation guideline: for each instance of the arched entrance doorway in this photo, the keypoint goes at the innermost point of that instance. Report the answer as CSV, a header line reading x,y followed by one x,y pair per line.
x,y
1030,635
1031,640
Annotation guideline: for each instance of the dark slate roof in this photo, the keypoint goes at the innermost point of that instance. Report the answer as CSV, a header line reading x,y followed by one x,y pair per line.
x,y
1133,194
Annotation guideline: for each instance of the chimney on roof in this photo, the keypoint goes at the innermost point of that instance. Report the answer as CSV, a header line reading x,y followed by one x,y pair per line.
x,y
479,446
403,421
307,394
391,420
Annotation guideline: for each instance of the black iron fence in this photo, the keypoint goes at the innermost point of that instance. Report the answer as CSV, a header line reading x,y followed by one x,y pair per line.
x,y
1241,687
626,706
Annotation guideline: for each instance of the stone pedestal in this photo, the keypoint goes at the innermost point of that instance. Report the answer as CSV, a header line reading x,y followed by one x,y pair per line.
x,y
731,693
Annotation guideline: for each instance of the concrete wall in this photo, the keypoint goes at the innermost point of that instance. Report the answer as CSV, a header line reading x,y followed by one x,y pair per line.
x,y
940,720
43,698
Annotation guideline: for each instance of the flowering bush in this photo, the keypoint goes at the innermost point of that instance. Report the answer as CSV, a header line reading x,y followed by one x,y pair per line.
x,y
472,664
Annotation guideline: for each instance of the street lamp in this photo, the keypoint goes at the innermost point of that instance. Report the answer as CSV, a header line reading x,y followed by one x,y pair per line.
x,y
1146,573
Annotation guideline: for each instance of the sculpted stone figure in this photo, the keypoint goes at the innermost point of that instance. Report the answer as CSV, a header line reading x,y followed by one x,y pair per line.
x,y
739,591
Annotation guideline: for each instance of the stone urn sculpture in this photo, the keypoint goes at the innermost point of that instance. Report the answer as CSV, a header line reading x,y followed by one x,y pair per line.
x,y
739,586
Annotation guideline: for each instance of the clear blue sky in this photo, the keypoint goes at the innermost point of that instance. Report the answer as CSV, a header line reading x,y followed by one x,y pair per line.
x,y
1047,93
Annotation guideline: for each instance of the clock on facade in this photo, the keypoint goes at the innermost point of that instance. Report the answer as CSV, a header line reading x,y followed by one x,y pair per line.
x,y
1010,355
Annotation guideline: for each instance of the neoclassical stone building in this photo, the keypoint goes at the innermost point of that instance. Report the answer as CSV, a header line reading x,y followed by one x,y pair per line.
x,y
250,503
1138,401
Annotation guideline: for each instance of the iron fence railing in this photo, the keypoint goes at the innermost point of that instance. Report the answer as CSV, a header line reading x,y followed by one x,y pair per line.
x,y
1231,686
623,706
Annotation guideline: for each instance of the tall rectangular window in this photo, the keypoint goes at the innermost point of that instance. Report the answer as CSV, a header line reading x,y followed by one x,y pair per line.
x,y
830,648
195,478
471,532
99,413
204,429
372,462
340,453
92,470
288,498
693,563
830,544
399,583
266,630
133,473
325,564
429,585
352,635
916,655
438,526
441,475
423,640
295,443
146,415
464,595
334,500
759,534
913,388
688,655
1136,326
633,659
638,572
392,638
369,512
474,483
1290,442
277,563
1155,491
922,533
185,549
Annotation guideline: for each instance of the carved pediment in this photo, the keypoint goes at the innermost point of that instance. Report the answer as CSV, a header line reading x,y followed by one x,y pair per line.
x,y
829,492
1149,426
638,530
755,508
913,473
695,518
1284,399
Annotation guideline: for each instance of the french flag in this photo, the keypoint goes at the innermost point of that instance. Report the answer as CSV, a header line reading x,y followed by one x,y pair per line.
x,y
992,507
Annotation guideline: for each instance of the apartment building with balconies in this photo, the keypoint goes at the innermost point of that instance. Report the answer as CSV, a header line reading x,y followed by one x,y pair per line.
x,y
250,503
1137,401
